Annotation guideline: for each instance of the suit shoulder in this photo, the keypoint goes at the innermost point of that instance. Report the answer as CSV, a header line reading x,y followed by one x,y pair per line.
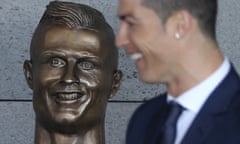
x,y
142,119
147,110
151,105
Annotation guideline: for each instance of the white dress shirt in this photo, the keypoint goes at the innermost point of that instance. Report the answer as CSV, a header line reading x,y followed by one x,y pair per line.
x,y
193,99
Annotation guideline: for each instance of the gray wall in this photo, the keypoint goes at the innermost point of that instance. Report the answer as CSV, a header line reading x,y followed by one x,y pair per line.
x,y
18,18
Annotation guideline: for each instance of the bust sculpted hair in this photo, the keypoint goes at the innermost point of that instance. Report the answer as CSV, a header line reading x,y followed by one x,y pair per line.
x,y
72,72
204,11
75,16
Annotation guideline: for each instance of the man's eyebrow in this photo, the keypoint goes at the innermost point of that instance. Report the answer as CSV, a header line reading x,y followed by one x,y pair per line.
x,y
124,16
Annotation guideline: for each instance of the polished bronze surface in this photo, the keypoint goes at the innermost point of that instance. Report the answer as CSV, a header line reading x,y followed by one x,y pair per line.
x,y
72,72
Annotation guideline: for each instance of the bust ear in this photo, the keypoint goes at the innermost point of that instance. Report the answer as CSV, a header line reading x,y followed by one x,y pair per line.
x,y
27,67
117,76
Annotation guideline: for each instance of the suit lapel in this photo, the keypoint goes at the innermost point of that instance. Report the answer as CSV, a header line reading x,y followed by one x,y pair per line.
x,y
213,110
199,130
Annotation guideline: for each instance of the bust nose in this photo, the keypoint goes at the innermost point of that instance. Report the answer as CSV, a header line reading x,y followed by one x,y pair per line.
x,y
69,75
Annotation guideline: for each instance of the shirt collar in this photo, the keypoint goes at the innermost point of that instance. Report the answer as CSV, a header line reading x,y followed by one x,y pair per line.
x,y
194,98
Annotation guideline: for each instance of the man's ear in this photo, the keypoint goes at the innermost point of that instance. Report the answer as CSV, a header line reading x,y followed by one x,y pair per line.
x,y
117,76
181,23
27,68
185,21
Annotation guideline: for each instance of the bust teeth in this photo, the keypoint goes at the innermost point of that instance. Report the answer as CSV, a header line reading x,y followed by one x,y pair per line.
x,y
68,97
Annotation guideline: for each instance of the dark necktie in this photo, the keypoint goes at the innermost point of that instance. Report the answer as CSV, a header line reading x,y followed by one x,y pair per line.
x,y
169,133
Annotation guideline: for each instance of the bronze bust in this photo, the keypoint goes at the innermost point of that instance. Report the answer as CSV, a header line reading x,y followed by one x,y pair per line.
x,y
73,72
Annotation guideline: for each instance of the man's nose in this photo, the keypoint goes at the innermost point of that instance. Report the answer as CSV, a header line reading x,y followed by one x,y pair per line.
x,y
70,75
122,36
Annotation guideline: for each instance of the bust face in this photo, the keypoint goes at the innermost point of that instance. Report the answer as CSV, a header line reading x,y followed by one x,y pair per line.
x,y
71,78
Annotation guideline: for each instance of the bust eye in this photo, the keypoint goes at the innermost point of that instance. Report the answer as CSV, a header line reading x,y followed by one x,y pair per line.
x,y
57,62
86,65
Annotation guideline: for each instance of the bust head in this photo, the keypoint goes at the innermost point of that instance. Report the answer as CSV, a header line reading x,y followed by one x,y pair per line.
x,y
73,68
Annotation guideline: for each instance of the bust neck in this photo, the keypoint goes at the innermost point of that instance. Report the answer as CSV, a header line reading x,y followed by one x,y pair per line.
x,y
92,136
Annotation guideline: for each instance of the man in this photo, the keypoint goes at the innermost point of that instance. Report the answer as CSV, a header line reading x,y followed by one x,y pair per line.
x,y
174,42
72,72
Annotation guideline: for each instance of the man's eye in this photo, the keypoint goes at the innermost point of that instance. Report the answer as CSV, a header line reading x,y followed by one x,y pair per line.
x,y
57,62
130,24
86,65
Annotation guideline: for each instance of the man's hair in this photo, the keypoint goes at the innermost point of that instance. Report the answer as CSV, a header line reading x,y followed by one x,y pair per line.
x,y
205,11
76,16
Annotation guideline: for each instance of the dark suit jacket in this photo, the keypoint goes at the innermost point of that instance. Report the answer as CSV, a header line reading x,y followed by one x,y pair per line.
x,y
218,122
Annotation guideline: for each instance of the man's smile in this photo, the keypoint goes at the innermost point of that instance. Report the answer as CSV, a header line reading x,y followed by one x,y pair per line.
x,y
136,56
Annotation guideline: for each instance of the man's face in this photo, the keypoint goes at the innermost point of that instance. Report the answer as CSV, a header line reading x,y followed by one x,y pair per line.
x,y
71,78
147,40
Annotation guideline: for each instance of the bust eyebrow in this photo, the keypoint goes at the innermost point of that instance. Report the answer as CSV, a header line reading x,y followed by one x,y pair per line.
x,y
49,53
80,55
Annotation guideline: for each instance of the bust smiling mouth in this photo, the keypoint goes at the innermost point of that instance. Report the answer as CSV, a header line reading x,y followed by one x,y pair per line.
x,y
70,97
